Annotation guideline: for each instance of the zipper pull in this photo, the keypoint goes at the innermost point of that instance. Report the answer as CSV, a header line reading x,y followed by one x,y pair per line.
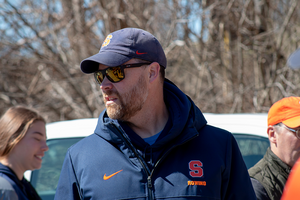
x,y
149,182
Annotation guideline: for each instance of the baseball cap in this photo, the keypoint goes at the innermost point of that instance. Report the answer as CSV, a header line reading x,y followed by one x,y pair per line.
x,y
287,111
123,45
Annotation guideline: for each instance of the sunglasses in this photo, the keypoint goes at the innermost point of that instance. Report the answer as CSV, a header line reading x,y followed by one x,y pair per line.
x,y
115,74
296,131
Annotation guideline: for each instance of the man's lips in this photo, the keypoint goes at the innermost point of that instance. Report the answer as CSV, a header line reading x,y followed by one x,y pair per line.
x,y
110,100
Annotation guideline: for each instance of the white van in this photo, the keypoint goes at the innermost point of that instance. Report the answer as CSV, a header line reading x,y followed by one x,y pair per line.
x,y
248,129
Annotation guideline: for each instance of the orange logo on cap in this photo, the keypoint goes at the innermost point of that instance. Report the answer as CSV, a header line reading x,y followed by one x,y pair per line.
x,y
107,40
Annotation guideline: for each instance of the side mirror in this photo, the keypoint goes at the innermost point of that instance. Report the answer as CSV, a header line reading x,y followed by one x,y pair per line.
x,y
294,60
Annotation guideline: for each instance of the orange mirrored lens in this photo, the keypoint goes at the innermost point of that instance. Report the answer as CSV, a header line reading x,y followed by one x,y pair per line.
x,y
114,74
99,77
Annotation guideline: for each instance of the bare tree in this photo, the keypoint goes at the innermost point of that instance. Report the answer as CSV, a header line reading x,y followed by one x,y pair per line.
x,y
229,56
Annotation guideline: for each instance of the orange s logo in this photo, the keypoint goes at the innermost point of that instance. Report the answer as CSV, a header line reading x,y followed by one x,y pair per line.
x,y
196,168
107,40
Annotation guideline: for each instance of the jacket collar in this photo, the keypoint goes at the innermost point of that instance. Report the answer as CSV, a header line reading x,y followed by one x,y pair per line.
x,y
186,119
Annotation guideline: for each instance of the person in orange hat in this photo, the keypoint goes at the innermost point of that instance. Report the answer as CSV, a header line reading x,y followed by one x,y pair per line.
x,y
270,174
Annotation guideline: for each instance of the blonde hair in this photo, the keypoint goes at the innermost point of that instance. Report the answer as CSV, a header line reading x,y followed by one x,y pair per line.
x,y
14,124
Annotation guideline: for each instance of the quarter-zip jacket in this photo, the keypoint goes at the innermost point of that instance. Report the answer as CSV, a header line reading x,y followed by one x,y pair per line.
x,y
190,160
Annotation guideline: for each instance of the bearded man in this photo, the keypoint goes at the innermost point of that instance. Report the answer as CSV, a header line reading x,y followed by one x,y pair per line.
x,y
151,141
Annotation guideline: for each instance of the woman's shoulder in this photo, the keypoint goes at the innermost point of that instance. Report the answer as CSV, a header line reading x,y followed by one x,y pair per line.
x,y
7,191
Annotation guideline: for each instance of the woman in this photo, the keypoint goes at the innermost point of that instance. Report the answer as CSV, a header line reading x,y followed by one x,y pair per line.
x,y
22,147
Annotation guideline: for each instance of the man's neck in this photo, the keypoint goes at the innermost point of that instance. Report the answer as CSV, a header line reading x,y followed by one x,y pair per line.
x,y
150,122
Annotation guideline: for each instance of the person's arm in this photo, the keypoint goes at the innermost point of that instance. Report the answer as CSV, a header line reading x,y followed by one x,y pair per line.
x,y
291,189
67,187
236,184
260,192
6,190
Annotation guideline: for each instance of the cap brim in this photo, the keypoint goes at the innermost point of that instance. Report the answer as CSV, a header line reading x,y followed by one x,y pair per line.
x,y
110,59
293,122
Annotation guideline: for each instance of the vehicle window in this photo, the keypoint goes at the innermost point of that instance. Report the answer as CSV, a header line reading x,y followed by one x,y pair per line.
x,y
253,148
45,179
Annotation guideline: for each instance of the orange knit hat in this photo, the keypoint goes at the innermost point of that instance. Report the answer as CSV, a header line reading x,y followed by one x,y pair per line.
x,y
287,111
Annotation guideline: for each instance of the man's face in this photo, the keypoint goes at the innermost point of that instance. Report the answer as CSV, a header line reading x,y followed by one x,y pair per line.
x,y
287,145
125,98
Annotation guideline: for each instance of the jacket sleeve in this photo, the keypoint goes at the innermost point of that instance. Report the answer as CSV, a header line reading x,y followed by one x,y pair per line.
x,y
6,190
68,187
236,184
260,192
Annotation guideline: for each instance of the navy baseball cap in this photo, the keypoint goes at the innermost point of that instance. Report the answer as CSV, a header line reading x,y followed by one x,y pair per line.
x,y
123,45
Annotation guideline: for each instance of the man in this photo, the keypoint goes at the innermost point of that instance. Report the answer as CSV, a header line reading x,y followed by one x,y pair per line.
x,y
151,142
269,175
291,188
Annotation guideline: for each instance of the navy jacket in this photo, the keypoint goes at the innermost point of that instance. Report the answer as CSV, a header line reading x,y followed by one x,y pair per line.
x,y
190,160
22,188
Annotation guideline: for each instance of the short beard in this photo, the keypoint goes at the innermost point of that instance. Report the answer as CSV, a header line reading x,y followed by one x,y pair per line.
x,y
130,103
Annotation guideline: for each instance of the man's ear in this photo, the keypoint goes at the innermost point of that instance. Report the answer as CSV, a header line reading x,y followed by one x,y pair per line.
x,y
272,134
154,71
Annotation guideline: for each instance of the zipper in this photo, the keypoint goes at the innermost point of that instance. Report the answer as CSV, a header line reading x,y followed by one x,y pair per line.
x,y
150,190
160,160
143,163
141,160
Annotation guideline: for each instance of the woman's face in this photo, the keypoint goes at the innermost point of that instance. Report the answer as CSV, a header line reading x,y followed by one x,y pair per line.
x,y
28,153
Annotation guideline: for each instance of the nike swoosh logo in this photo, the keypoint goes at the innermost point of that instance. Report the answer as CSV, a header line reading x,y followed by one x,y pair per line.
x,y
138,53
108,177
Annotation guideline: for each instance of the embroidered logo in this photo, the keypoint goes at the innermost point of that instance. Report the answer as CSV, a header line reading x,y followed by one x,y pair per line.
x,y
107,40
195,167
108,177
197,183
196,171
138,53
